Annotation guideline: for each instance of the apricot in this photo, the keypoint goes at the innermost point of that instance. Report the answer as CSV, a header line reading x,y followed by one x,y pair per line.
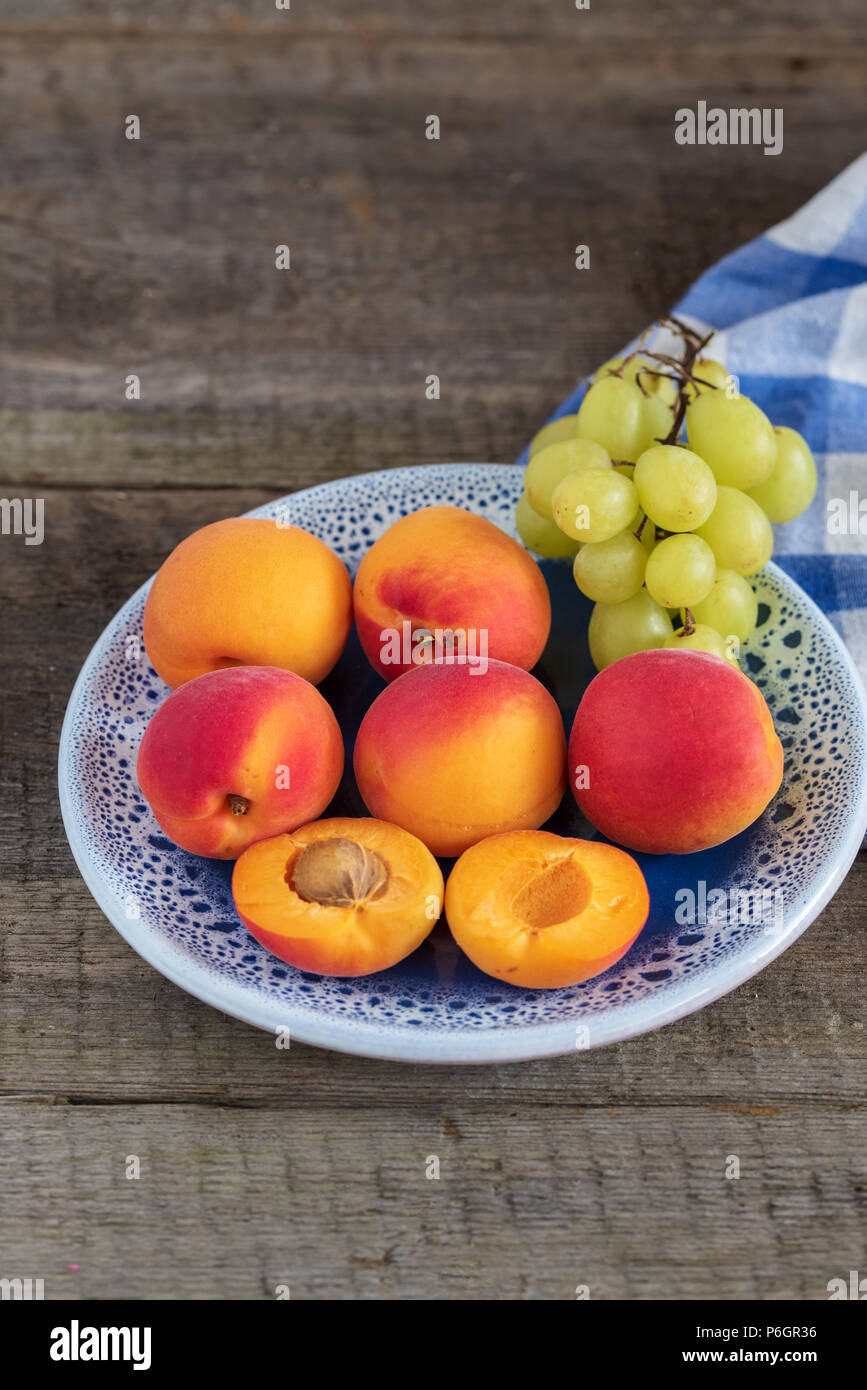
x,y
542,911
237,755
248,592
443,582
339,897
673,751
454,755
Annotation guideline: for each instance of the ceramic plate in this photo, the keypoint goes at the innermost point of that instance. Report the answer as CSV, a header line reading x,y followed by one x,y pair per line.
x,y
177,912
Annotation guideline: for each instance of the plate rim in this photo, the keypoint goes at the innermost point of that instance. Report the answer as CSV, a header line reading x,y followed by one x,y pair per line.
x,y
463,1047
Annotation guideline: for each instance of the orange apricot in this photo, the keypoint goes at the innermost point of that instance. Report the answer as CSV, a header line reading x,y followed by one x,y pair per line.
x,y
248,592
673,752
542,911
343,896
238,755
453,754
445,580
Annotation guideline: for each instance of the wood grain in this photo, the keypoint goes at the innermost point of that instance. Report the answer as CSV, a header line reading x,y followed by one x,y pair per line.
x,y
409,257
747,21
634,1203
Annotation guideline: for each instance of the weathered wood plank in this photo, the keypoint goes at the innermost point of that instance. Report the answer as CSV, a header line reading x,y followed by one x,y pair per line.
x,y
410,257
635,1204
668,21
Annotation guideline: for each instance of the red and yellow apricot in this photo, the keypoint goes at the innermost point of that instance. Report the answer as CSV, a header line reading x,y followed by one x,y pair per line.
x,y
673,752
543,911
444,570
453,755
248,592
341,896
237,755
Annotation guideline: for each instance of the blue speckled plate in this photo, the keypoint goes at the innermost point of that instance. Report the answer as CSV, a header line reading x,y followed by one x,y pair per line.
x,y
176,910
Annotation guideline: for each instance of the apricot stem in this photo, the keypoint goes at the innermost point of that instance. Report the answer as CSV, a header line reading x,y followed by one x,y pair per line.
x,y
338,873
239,805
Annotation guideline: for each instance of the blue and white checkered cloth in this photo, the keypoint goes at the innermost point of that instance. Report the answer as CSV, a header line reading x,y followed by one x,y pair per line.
x,y
790,310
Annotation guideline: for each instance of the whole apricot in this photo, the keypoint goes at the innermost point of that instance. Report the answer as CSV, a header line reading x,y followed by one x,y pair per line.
x,y
444,583
248,592
237,755
453,755
673,752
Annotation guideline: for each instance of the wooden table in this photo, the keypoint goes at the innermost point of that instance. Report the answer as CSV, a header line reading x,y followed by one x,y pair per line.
x,y
409,257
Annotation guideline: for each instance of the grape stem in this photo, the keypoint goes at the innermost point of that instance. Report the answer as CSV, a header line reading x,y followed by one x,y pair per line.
x,y
693,345
650,371
680,368
683,330
688,622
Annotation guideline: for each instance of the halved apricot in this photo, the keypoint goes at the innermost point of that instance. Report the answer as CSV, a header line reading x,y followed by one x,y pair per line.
x,y
543,911
342,896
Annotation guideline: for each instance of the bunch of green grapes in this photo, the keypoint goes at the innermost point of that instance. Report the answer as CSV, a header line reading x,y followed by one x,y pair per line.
x,y
665,531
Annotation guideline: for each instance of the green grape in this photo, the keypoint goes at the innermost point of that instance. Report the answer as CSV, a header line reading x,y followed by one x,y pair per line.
x,y
626,470
792,485
594,505
733,436
619,629
644,371
556,432
620,417
701,639
738,532
542,537
709,371
551,465
680,571
675,487
611,571
731,607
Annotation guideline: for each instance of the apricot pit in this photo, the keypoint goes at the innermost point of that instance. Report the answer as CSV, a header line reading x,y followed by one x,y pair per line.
x,y
339,873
